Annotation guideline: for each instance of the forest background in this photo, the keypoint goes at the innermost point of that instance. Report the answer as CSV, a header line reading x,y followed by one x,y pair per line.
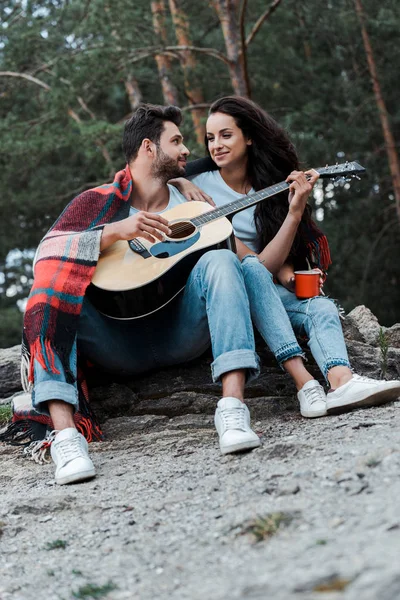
x,y
72,71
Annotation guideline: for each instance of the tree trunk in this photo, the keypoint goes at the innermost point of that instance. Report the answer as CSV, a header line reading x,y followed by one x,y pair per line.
x,y
192,87
133,91
228,16
170,93
303,29
393,158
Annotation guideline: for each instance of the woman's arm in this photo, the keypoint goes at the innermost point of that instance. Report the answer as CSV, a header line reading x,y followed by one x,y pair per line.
x,y
275,253
285,276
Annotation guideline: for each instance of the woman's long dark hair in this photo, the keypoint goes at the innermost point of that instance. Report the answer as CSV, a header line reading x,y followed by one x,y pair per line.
x,y
271,157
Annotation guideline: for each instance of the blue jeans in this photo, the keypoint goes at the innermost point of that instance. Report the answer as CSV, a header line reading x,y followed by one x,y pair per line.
x,y
318,319
279,316
214,308
268,314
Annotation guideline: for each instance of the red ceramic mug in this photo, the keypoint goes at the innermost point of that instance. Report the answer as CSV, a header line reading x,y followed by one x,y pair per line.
x,y
307,283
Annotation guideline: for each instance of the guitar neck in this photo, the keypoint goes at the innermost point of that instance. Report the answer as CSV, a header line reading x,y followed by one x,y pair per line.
x,y
345,169
240,204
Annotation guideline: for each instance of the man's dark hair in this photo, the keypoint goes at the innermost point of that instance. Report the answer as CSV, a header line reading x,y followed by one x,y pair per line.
x,y
147,122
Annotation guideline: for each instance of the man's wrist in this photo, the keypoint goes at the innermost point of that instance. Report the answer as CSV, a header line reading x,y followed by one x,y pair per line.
x,y
109,236
111,231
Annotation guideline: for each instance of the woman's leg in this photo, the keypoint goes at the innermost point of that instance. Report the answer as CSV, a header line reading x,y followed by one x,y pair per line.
x,y
318,320
270,318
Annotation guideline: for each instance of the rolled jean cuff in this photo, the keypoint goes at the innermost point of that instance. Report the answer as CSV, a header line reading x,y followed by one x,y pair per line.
x,y
234,361
53,390
288,351
334,362
249,255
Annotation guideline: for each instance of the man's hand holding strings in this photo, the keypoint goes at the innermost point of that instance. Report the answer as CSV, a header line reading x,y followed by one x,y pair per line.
x,y
147,225
301,185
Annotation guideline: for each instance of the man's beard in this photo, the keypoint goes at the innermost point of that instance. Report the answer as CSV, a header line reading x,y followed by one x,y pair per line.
x,y
165,168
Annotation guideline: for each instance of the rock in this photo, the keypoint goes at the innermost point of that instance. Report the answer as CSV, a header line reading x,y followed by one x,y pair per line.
x,y
351,331
188,389
393,364
10,378
366,323
392,335
365,359
289,490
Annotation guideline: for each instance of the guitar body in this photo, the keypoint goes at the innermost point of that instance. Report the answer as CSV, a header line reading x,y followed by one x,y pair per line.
x,y
135,279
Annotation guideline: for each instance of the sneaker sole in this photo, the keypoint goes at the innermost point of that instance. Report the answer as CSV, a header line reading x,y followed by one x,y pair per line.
x,y
313,414
76,477
376,399
240,447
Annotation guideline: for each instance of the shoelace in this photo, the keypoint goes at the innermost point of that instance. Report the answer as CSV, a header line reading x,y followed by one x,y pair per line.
x,y
363,379
70,449
314,395
233,418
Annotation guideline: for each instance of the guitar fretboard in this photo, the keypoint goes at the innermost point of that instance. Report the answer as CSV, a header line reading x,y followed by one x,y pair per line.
x,y
240,204
245,201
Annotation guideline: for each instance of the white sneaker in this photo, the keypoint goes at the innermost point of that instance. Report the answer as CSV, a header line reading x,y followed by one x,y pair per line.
x,y
312,400
362,391
69,451
232,420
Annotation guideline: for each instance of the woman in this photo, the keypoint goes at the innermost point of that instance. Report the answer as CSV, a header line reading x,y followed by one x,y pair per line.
x,y
250,151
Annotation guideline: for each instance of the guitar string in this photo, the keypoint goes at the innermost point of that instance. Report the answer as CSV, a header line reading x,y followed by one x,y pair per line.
x,y
225,210
272,190
275,189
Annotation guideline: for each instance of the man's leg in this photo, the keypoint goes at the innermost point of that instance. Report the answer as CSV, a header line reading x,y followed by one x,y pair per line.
x,y
270,318
318,319
214,308
53,396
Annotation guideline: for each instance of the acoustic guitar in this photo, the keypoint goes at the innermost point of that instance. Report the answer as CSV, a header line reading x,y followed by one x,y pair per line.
x,y
136,278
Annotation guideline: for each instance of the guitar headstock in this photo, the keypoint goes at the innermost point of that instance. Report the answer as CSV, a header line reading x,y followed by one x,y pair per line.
x,y
347,169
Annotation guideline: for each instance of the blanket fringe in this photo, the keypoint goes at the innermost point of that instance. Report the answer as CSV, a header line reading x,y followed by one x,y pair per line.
x,y
42,351
18,433
39,451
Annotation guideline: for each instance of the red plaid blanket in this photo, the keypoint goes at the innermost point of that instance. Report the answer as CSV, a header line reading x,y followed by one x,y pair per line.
x,y
64,265
65,262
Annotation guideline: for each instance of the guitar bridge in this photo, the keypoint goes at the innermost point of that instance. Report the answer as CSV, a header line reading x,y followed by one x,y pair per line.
x,y
136,246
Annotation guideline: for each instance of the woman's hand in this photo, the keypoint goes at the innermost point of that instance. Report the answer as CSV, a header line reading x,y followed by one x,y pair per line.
x,y
301,185
190,190
322,279
286,277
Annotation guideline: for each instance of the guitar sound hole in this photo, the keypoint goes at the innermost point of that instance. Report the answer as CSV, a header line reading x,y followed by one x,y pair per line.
x,y
181,230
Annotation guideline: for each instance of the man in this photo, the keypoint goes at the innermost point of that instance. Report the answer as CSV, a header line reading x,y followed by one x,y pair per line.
x,y
59,320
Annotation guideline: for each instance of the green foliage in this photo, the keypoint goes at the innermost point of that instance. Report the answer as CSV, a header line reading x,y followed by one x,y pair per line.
x,y
384,347
90,590
307,67
56,544
5,414
10,327
265,527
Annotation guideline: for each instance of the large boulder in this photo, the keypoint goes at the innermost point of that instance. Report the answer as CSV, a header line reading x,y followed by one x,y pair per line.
x,y
10,378
363,320
189,388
